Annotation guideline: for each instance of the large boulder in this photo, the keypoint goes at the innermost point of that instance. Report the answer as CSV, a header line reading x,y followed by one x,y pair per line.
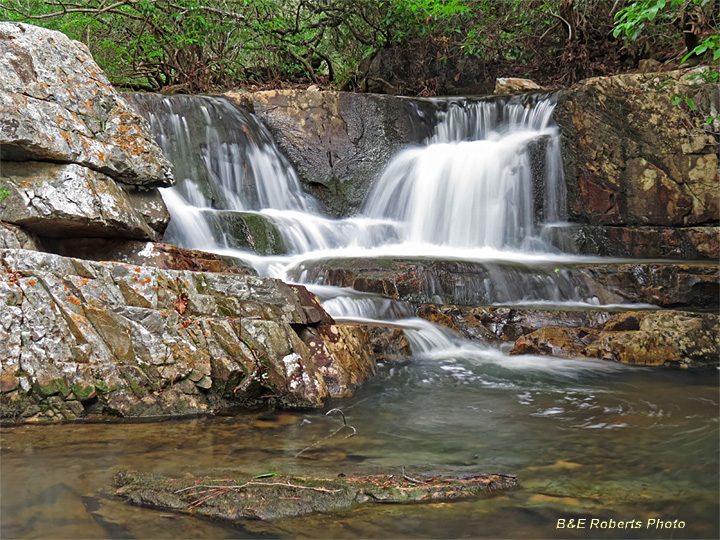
x,y
638,151
63,125
83,338
339,141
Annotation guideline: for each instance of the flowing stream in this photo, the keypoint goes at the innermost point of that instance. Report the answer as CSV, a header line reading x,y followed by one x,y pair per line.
x,y
587,439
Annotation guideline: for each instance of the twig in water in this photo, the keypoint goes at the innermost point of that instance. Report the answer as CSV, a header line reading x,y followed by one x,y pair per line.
x,y
338,430
410,478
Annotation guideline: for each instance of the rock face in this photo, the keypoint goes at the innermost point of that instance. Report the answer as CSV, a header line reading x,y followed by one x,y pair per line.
x,y
84,338
339,141
633,159
80,152
658,338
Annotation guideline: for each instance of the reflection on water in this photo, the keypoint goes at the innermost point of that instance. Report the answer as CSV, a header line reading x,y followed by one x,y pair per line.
x,y
587,440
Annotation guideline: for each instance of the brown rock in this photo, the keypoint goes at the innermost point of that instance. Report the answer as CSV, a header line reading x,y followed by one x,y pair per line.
x,y
158,254
632,157
388,344
652,338
513,85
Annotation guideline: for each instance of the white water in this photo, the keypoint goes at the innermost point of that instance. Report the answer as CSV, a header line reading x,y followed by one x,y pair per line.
x,y
473,191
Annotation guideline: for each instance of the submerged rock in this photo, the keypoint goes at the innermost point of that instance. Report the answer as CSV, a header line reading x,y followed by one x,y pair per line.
x,y
274,497
84,338
651,338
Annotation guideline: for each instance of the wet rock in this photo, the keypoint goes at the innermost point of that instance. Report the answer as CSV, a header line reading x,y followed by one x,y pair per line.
x,y
687,243
338,141
246,230
498,324
678,286
651,338
85,337
429,281
389,344
158,254
342,355
511,85
276,497
57,105
633,158
70,200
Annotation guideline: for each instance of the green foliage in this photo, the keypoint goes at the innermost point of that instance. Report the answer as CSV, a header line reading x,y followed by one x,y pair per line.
x,y
633,20
650,16
201,45
4,193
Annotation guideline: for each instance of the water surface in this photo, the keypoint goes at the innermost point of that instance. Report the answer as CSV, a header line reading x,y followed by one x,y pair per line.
x,y
586,439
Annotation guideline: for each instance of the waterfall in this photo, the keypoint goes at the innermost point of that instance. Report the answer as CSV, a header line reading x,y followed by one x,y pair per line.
x,y
490,176
474,183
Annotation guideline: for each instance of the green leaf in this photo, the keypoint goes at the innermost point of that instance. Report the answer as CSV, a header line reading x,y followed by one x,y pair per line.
x,y
266,475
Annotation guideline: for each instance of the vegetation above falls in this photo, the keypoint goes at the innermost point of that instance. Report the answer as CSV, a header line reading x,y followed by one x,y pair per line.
x,y
199,46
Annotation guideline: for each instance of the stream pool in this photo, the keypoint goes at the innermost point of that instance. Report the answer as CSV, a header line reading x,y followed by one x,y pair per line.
x,y
588,440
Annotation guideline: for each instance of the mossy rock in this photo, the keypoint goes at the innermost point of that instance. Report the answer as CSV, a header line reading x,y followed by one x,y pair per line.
x,y
246,230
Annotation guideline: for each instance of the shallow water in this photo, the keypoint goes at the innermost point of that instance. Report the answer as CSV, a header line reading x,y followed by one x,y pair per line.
x,y
586,439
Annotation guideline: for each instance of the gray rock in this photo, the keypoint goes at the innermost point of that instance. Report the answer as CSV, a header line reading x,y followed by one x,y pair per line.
x,y
14,237
339,141
140,341
57,105
69,200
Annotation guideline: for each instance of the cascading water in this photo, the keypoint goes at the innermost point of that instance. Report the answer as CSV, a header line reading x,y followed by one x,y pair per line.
x,y
491,167
474,184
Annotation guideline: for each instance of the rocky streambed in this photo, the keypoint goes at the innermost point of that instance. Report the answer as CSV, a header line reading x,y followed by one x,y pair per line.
x,y
100,319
